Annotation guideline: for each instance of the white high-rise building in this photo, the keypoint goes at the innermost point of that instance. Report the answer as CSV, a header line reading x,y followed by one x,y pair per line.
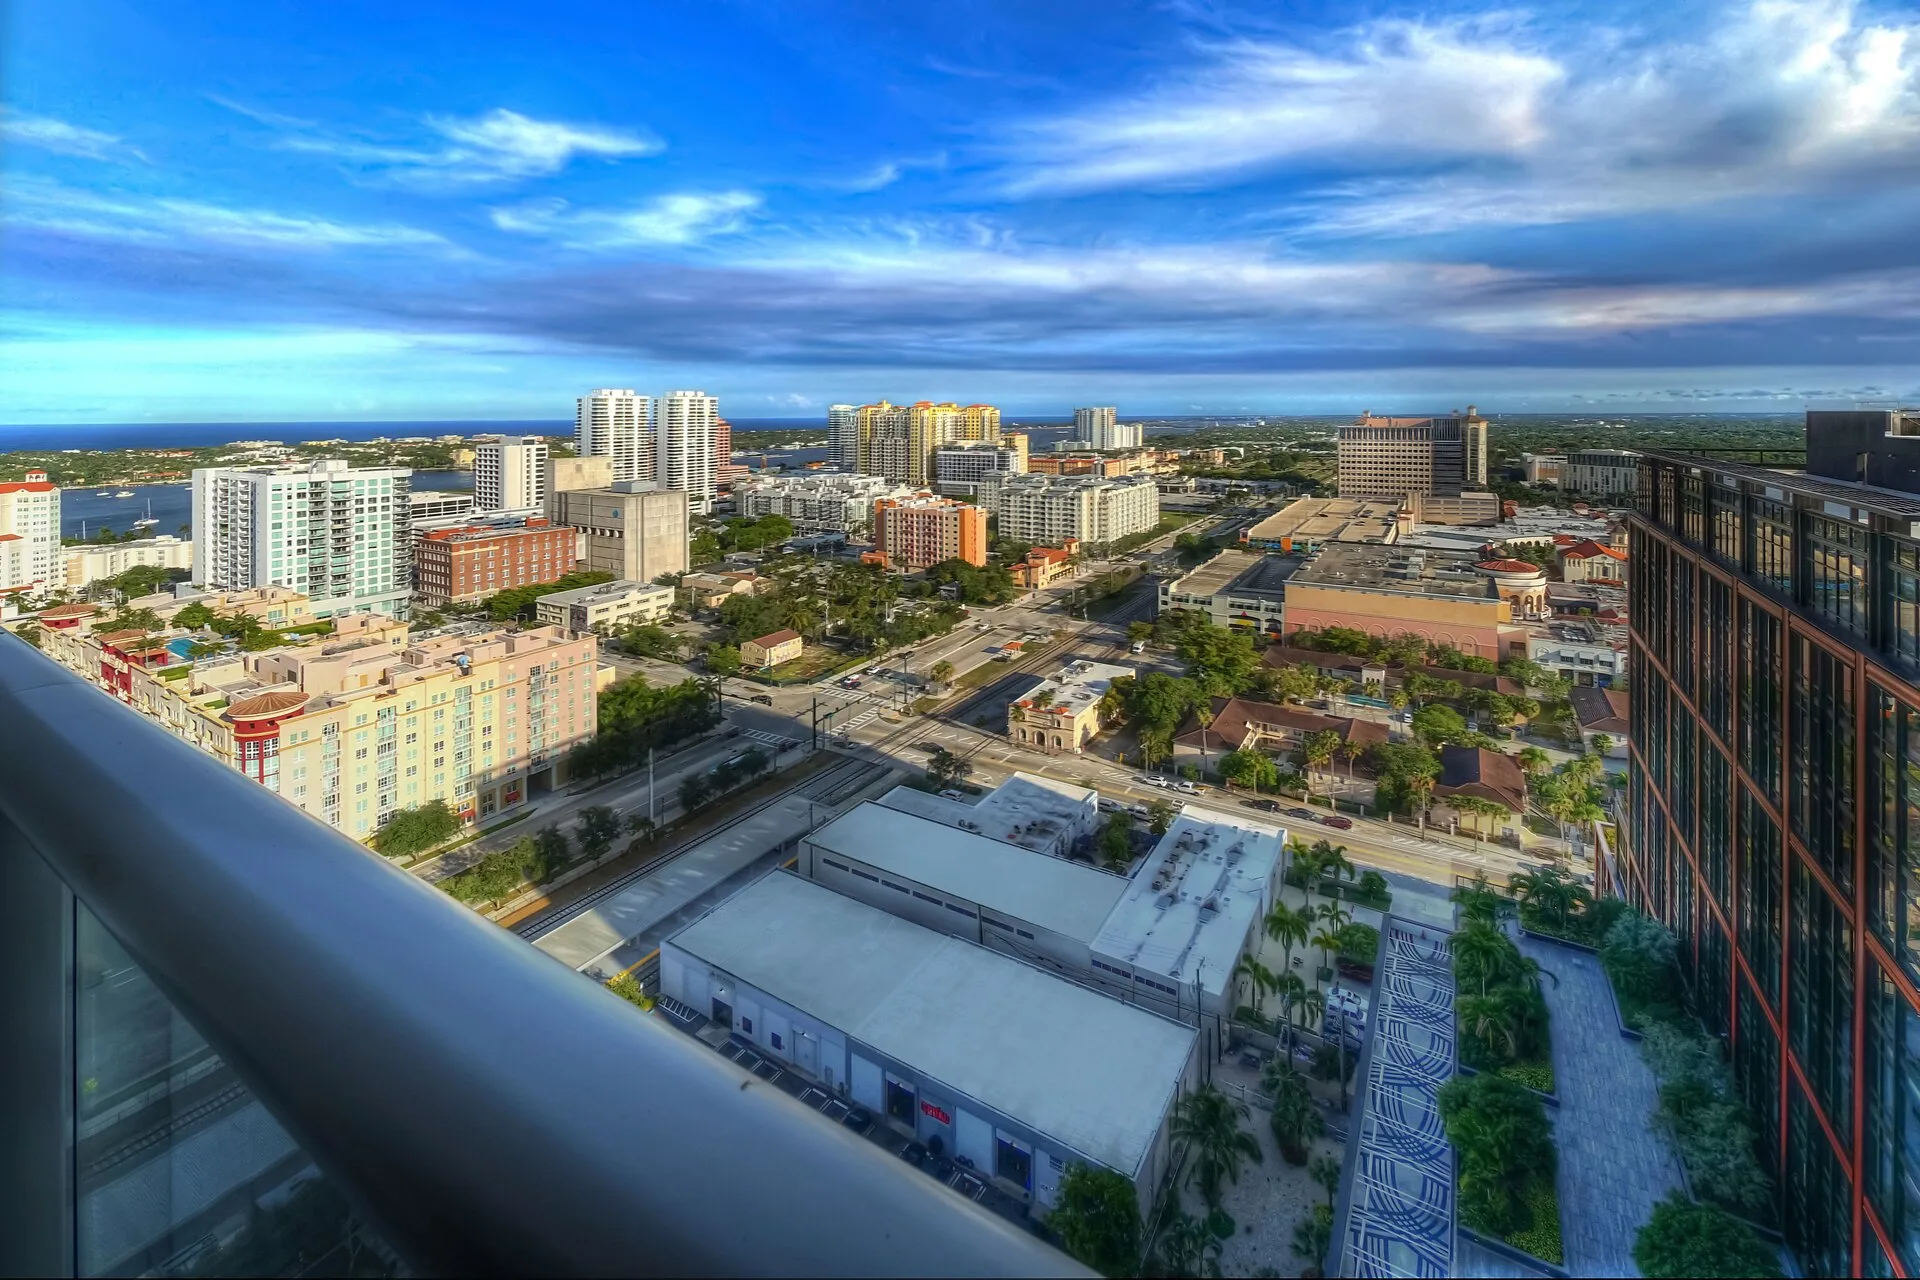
x,y
685,451
338,534
1101,428
617,424
30,554
509,474
843,435
1043,509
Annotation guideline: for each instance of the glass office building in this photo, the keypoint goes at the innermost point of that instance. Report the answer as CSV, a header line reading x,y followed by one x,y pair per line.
x,y
1775,806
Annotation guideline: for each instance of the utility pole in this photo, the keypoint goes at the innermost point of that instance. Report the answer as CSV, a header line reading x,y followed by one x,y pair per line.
x,y
649,784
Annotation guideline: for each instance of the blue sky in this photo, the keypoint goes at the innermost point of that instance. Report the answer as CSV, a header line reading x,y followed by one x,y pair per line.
x,y
303,211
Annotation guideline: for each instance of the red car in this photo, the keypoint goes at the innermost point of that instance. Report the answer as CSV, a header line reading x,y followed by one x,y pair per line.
x,y
1338,822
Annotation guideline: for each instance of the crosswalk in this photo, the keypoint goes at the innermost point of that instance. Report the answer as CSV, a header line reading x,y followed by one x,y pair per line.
x,y
771,739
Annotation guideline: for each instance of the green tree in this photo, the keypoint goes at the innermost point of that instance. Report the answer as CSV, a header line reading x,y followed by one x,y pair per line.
x,y
1500,1134
1189,1247
1296,1120
947,769
1325,1170
553,849
1638,955
1096,1214
1436,725
598,827
694,792
641,826
1159,817
723,660
1208,1122
1116,840
1532,761
628,988
1550,893
1317,748
1312,1235
1479,903
519,603
1259,977
1251,769
410,831
1683,1239
941,672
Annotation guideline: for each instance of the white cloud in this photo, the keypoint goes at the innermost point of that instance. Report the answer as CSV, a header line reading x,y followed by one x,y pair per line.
x,y
501,146
52,206
67,139
1400,89
888,172
680,218
1457,126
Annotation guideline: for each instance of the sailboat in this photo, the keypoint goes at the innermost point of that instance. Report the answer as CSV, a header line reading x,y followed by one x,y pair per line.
x,y
149,522
124,493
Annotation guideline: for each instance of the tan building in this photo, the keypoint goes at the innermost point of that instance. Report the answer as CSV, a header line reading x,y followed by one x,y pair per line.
x,y
605,607
919,533
1387,457
1590,561
1307,524
1385,591
275,608
472,562
1060,715
1545,468
358,725
90,564
711,590
770,651
632,530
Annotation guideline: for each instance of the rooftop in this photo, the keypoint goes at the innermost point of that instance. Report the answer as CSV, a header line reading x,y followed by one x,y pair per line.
x,y
1236,719
1188,909
775,637
619,589
1316,520
1067,897
1236,572
1077,687
1476,771
1600,710
957,1013
1361,567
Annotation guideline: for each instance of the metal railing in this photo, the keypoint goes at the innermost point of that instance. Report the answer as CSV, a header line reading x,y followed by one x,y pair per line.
x,y
486,1109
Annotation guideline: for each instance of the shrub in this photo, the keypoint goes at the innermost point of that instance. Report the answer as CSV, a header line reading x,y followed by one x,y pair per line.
x,y
1097,1218
1683,1239
412,830
1296,1120
1637,954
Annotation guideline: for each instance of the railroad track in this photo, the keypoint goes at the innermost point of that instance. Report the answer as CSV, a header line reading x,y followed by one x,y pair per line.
x,y
828,787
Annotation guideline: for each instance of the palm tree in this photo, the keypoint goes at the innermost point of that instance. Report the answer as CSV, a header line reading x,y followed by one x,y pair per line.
x,y
1493,1021
1209,1123
1327,940
1291,991
1296,1120
1421,784
1333,858
1260,978
1312,1005
1532,761
1289,927
1550,892
1481,951
1479,903
1351,751
941,671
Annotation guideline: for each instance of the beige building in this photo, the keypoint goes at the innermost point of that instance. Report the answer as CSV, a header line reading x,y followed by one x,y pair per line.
x,y
90,564
1047,510
1244,590
275,608
355,726
1306,524
606,607
1386,457
897,440
1385,591
711,590
633,530
1060,715
771,650
1545,468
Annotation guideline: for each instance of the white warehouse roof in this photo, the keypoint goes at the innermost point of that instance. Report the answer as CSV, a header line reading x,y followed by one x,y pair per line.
x,y
1085,1069
1069,898
1195,899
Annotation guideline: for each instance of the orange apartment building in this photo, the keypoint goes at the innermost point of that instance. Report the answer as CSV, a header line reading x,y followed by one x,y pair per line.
x,y
919,533
472,562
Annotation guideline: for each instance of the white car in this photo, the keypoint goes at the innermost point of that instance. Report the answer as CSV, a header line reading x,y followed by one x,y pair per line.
x,y
1147,779
1139,646
1109,806
1184,785
953,795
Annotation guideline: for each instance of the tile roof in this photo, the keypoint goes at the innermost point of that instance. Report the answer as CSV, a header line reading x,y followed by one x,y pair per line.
x,y
1476,771
777,637
1599,710
1236,720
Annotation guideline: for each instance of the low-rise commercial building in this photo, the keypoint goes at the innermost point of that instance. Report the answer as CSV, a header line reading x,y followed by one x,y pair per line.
x,y
1484,775
770,651
465,563
1545,468
918,533
1044,565
1040,814
605,608
1307,524
1590,561
1050,509
1582,650
275,608
1015,1070
1244,724
711,590
90,564
1061,715
1245,590
1602,712
1385,591
354,726
818,503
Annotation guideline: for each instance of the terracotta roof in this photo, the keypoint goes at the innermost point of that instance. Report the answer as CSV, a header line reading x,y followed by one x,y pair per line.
x,y
68,611
267,706
1287,655
1475,771
1589,549
1510,566
9,537
118,637
27,486
778,637
1236,720
1599,710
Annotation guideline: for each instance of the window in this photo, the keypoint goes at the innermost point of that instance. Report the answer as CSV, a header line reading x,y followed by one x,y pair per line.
x,y
1771,548
901,1101
1821,773
746,1024
837,866
773,1037
864,876
1013,1161
1760,890
1903,604
1893,826
960,910
1004,928
1893,1117
1836,575
1023,933
898,888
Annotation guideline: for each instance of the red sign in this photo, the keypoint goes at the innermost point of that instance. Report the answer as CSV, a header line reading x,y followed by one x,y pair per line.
x,y
936,1113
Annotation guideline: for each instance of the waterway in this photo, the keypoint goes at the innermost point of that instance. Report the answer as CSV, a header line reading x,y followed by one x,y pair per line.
x,y
172,505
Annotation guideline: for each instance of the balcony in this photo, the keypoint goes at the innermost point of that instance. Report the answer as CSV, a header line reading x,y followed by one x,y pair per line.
x,y
237,1041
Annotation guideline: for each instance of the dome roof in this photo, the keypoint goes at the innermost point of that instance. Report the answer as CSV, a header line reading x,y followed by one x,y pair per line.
x,y
68,611
1510,566
267,706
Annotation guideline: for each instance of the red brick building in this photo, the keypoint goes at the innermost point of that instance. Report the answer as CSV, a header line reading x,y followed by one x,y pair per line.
x,y
456,566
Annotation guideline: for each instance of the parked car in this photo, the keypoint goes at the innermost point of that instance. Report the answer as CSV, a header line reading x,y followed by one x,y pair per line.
x,y
1138,646
951,794
1305,815
1184,785
1139,811
764,699
1149,780
1264,806
1338,821
1109,806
